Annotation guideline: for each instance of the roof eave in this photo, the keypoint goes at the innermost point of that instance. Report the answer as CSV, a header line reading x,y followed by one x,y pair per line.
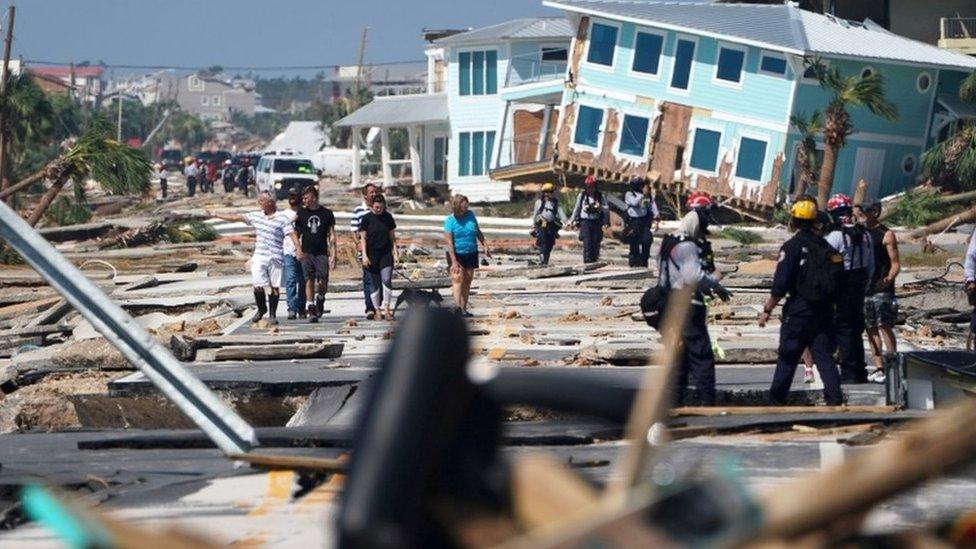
x,y
669,26
868,58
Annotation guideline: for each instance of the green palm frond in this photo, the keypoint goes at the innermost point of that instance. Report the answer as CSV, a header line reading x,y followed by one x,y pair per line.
x,y
807,127
28,115
120,169
868,92
967,90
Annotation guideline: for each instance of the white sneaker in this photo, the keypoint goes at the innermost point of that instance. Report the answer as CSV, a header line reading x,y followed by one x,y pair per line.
x,y
878,376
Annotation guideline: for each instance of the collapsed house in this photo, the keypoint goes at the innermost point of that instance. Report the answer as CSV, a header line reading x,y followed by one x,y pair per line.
x,y
700,96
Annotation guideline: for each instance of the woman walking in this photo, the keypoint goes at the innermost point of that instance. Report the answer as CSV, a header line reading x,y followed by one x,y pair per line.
x,y
378,246
463,234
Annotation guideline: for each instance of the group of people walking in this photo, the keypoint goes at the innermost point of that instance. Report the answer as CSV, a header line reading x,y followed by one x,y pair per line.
x,y
204,175
591,215
837,275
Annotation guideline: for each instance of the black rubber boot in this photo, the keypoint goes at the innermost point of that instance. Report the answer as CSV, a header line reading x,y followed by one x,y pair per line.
x,y
260,301
320,305
313,316
273,307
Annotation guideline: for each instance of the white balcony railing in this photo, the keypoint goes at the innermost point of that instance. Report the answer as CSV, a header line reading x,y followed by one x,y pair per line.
x,y
536,67
958,28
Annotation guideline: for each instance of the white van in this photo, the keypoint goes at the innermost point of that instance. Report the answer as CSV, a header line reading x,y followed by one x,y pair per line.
x,y
278,173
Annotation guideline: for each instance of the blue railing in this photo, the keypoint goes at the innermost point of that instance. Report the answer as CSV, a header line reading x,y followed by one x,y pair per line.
x,y
532,68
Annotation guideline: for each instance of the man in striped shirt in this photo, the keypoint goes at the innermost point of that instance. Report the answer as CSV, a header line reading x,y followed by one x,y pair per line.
x,y
369,191
271,228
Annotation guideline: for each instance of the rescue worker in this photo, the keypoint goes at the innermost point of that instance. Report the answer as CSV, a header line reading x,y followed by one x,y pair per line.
x,y
853,243
192,174
227,175
547,220
642,212
880,305
685,259
970,274
591,214
809,272
245,175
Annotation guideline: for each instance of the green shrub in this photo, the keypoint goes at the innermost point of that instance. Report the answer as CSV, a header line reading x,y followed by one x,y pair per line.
x,y
918,209
741,236
67,211
187,230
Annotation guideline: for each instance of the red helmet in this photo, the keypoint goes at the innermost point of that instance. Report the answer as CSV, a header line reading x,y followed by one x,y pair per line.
x,y
590,180
839,201
699,199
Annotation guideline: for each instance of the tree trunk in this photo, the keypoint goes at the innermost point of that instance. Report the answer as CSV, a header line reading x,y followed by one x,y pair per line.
x,y
46,200
24,183
965,216
826,183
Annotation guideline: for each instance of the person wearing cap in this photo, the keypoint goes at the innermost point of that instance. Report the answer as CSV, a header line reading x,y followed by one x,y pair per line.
x,y
547,220
685,260
880,305
192,174
292,273
808,273
853,242
591,214
641,213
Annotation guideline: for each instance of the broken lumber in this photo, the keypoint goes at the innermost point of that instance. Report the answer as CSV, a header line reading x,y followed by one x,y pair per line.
x,y
277,462
55,313
751,410
272,352
945,224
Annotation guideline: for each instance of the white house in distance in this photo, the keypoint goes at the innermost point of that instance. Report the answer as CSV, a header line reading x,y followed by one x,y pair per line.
x,y
456,127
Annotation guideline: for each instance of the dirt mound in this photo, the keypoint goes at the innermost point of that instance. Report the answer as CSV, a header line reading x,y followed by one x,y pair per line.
x,y
45,405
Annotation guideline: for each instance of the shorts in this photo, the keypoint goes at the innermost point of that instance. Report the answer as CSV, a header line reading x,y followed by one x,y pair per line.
x,y
880,310
468,261
265,272
316,267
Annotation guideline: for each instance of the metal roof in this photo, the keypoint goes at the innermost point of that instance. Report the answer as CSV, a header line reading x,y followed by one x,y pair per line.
x,y
517,29
399,110
782,27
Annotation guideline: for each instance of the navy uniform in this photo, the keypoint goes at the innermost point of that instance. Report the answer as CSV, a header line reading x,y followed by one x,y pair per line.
x,y
970,270
641,212
591,214
686,260
548,219
806,323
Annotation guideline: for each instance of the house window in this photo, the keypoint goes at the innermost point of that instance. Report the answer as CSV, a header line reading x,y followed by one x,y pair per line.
x,y
730,63
588,126
647,52
684,54
633,135
924,82
704,150
772,64
478,72
474,150
555,54
603,42
216,100
205,100
194,83
752,156
867,72
908,164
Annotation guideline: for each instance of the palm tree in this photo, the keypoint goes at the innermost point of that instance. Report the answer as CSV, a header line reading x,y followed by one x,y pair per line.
x,y
846,92
27,116
953,161
806,150
119,168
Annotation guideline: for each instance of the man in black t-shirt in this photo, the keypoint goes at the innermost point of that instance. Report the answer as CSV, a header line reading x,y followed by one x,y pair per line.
x,y
315,243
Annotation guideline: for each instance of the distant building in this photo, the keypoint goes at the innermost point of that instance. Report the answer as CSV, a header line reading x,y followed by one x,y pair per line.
x,y
206,97
86,83
387,79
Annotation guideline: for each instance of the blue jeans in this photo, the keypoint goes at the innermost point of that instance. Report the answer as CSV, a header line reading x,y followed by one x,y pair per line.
x,y
294,284
367,290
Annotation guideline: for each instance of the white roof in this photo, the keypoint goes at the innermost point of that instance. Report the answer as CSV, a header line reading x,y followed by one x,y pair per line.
x,y
782,27
537,28
302,137
398,111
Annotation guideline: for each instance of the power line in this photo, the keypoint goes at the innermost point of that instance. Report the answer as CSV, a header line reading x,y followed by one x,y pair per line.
x,y
281,68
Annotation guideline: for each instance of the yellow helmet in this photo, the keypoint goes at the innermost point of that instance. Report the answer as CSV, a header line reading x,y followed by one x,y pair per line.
x,y
804,208
548,187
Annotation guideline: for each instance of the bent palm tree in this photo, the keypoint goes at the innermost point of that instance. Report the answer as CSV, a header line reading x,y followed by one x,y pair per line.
x,y
953,161
119,168
806,150
846,92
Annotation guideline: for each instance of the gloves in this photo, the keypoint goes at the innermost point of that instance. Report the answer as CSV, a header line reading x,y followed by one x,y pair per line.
x,y
722,293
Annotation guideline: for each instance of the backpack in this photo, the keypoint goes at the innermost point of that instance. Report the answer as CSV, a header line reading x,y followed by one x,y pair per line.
x,y
820,269
655,299
854,238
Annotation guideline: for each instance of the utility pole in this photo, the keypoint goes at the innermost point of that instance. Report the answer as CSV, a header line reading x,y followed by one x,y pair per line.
x,y
359,67
3,89
118,99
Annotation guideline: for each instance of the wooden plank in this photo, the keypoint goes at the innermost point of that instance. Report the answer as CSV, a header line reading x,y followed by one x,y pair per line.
x,y
753,410
275,352
275,462
544,491
53,314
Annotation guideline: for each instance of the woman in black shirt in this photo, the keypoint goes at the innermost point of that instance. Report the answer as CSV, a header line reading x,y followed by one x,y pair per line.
x,y
378,246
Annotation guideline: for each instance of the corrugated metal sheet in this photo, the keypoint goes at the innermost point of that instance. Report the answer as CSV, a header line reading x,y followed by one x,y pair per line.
x,y
778,26
529,28
399,110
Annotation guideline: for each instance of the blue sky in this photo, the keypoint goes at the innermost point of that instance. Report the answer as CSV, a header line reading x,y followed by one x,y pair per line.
x,y
244,32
